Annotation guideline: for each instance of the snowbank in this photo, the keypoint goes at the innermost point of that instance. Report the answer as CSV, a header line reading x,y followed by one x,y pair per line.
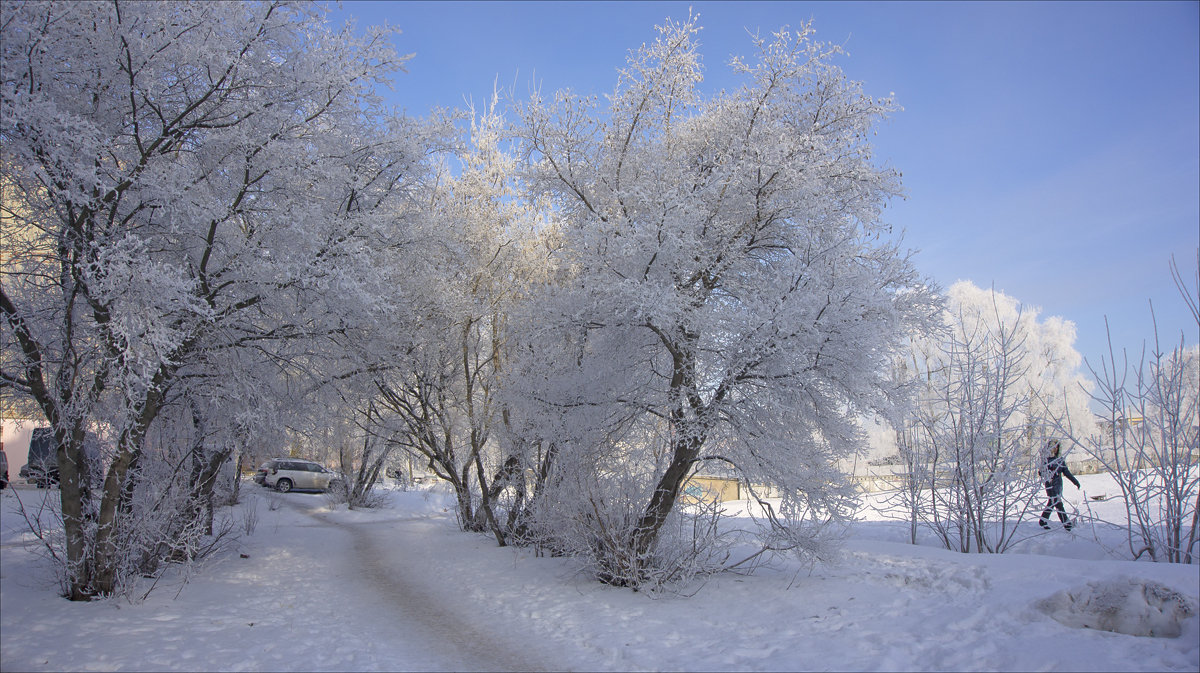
x,y
1128,605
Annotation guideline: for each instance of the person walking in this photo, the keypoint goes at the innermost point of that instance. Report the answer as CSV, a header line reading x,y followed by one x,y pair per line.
x,y
1053,471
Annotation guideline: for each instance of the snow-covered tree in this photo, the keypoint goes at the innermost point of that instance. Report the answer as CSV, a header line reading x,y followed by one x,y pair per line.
x,y
438,395
192,193
725,285
989,390
1149,437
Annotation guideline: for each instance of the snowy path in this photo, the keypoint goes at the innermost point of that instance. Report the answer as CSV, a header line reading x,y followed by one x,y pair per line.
x,y
459,642
311,591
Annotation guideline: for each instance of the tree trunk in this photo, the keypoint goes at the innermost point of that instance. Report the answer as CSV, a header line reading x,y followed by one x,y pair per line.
x,y
236,486
118,493
686,440
485,503
666,492
465,511
115,486
206,483
75,497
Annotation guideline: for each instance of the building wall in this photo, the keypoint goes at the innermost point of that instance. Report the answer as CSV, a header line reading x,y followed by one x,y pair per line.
x,y
14,435
711,489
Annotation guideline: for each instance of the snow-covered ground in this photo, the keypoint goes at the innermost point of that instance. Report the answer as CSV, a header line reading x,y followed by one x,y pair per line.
x,y
316,587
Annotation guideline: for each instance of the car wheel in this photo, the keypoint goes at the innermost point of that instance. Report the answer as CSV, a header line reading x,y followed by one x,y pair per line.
x,y
283,485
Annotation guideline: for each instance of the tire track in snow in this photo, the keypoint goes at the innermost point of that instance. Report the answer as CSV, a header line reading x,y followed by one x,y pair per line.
x,y
463,645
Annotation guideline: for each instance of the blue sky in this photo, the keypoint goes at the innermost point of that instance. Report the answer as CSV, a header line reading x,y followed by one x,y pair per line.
x,y
1051,150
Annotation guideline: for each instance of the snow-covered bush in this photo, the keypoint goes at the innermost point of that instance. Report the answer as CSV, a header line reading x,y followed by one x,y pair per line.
x,y
1149,440
987,391
589,512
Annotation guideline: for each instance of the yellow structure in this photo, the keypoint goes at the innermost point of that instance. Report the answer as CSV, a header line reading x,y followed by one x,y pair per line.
x,y
711,489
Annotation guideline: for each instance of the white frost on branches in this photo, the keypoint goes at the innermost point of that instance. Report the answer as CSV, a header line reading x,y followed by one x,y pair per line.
x,y
728,294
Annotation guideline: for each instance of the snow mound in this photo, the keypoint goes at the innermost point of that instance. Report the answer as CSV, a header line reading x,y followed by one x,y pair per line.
x,y
1127,605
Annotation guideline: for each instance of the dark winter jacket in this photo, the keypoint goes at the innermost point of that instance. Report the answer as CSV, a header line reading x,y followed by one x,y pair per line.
x,y
1053,472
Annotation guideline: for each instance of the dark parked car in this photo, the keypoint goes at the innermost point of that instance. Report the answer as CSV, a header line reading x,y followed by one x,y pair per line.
x,y
42,468
3,469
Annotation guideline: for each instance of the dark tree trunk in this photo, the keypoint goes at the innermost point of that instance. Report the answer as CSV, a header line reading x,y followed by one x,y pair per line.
x,y
662,501
687,438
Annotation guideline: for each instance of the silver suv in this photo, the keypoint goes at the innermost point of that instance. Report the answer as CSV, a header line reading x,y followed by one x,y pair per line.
x,y
285,474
